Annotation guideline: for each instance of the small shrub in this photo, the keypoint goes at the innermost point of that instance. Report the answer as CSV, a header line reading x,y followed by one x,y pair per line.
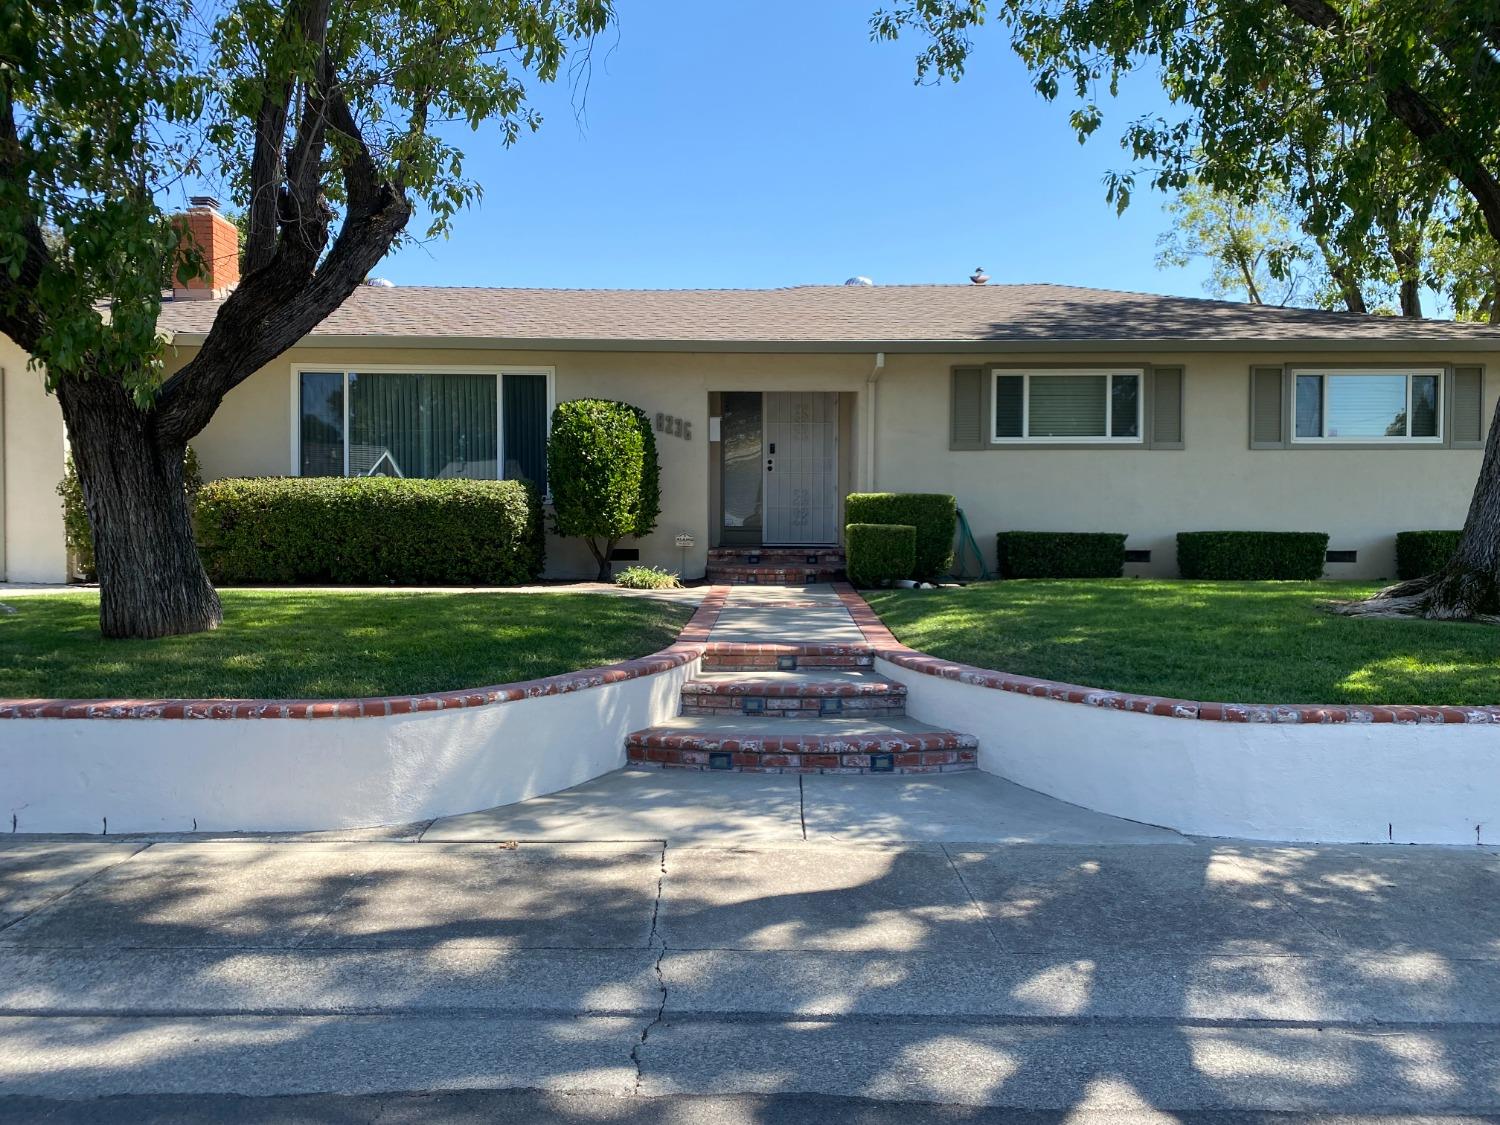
x,y
1061,554
604,474
370,531
1252,555
880,552
76,530
933,514
647,578
1419,553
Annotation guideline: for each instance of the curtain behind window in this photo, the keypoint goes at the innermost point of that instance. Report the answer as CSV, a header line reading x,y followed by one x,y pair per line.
x,y
526,428
439,426
322,411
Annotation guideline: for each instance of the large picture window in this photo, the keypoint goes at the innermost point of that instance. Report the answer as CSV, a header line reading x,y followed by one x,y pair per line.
x,y
1367,406
440,425
1068,406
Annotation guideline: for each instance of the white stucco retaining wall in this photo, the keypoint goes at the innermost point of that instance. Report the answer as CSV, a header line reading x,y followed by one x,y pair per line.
x,y
168,775
1337,782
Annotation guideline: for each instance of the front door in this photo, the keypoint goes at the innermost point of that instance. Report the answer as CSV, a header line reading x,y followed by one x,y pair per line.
x,y
801,467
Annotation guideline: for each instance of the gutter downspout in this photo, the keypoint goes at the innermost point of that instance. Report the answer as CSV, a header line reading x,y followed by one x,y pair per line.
x,y
872,382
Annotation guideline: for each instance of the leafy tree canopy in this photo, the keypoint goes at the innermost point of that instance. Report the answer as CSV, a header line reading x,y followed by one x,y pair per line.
x,y
306,113
1406,92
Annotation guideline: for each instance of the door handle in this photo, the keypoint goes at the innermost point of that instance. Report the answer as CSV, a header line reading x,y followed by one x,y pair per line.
x,y
769,465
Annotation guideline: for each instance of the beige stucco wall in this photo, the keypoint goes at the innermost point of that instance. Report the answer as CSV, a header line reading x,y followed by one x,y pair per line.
x,y
32,454
1360,497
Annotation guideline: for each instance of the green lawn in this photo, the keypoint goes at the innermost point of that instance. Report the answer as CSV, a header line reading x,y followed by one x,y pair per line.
x,y
1243,642
277,644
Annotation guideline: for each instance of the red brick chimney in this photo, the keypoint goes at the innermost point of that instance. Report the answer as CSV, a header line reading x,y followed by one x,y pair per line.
x,y
218,241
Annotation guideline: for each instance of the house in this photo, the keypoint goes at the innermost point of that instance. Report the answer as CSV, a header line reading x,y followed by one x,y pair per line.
x,y
1041,407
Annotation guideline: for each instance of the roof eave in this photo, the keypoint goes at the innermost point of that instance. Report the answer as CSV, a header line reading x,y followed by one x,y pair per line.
x,y
976,347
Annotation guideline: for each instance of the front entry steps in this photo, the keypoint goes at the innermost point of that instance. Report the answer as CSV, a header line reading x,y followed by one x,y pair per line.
x,y
782,708
774,566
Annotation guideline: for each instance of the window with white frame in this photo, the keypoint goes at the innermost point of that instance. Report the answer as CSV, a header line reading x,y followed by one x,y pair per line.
x,y
435,424
1367,406
1085,405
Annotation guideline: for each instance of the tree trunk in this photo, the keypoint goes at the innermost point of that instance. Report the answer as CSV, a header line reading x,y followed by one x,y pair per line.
x,y
151,583
1409,272
601,555
1468,588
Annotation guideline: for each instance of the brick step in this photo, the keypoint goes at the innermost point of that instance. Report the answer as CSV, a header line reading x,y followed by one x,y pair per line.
x,y
794,695
762,745
827,558
771,574
728,657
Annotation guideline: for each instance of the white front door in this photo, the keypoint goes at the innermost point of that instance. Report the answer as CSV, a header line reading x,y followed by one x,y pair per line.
x,y
802,467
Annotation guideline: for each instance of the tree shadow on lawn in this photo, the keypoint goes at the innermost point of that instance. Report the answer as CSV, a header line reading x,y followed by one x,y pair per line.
x,y
1125,977
283,644
1253,642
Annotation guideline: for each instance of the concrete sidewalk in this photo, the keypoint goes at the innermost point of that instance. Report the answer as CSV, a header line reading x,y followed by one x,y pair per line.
x,y
779,975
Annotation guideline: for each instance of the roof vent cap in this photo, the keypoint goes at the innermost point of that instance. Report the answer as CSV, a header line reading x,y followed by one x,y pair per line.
x,y
380,283
859,281
979,277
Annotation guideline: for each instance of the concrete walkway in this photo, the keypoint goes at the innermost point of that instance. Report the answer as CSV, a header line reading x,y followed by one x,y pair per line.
x,y
784,614
688,808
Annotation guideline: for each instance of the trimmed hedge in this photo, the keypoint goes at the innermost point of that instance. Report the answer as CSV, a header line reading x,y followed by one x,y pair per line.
x,y
933,514
879,552
1419,553
1060,554
370,531
1252,555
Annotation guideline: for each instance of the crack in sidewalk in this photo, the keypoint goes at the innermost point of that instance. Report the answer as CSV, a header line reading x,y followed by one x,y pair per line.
x,y
661,980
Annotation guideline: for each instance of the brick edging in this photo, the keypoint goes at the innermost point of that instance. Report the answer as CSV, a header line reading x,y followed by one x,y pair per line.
x,y
887,647
688,646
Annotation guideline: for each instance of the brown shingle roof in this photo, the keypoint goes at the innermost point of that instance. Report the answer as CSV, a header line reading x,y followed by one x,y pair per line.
x,y
833,315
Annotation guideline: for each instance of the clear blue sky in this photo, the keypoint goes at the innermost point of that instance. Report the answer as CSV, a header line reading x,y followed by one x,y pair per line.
x,y
769,142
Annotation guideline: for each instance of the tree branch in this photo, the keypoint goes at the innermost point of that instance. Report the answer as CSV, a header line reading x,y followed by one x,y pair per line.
x,y
282,302
1422,119
20,316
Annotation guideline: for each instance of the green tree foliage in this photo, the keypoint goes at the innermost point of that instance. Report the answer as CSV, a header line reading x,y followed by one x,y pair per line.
x,y
328,124
1253,250
604,474
1376,116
